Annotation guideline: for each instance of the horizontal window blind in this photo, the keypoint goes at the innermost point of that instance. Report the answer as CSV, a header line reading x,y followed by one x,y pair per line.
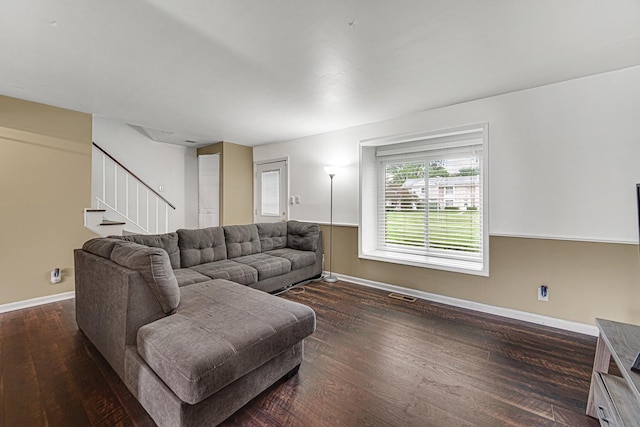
x,y
431,198
270,196
455,206
402,206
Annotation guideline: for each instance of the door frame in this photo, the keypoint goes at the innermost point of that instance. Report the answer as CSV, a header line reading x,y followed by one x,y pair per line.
x,y
256,187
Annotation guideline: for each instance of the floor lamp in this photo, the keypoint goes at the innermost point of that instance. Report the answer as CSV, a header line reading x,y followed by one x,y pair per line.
x,y
331,171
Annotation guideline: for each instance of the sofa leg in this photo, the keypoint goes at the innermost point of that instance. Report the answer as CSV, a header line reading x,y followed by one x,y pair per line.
x,y
292,372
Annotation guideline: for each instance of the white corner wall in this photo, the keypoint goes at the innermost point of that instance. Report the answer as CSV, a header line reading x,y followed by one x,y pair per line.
x,y
172,166
564,159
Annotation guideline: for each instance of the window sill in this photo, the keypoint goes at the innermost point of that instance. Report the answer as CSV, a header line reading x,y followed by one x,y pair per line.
x,y
424,261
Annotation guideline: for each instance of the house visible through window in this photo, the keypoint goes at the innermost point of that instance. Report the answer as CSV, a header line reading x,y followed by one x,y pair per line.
x,y
426,203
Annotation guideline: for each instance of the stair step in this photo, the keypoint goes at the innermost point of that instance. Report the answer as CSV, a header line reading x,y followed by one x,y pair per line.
x,y
112,223
95,210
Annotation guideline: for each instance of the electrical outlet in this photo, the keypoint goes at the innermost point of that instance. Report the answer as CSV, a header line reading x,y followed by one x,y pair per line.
x,y
543,293
56,275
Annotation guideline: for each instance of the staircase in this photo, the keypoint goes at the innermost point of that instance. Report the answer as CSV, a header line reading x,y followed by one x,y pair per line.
x,y
94,220
121,202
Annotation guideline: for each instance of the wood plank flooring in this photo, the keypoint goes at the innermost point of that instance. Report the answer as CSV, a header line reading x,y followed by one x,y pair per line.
x,y
373,361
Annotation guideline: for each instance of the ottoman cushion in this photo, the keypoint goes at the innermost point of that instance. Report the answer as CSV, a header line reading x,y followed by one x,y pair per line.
x,y
220,332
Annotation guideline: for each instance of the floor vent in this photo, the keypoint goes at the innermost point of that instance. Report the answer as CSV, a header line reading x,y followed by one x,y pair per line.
x,y
402,297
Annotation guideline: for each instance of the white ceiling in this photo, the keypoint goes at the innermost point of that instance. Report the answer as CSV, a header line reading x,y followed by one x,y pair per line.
x,y
258,71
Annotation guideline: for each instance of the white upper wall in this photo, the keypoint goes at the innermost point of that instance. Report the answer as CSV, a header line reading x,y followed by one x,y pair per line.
x,y
564,159
158,164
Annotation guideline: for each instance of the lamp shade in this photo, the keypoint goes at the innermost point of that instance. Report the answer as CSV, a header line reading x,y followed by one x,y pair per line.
x,y
331,170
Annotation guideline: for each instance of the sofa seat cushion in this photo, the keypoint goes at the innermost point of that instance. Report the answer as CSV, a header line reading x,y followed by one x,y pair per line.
x,y
220,332
187,276
267,266
298,259
230,270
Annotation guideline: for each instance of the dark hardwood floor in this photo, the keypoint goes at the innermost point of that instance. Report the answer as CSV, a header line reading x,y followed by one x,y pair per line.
x,y
373,361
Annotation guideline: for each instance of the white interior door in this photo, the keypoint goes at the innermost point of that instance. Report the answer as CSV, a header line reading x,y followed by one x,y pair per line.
x,y
271,191
209,190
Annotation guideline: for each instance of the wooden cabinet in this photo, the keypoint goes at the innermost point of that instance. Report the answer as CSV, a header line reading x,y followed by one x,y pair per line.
x,y
615,401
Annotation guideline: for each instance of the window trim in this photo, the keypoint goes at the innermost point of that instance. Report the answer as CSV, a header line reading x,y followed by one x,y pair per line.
x,y
369,198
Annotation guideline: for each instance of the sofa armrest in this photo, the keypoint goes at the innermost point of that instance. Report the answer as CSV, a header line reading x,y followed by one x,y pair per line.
x,y
153,262
112,303
155,266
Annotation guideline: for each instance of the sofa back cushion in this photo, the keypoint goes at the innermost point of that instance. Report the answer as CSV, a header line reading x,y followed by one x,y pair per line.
x,y
201,246
302,236
168,242
242,240
156,269
101,246
273,235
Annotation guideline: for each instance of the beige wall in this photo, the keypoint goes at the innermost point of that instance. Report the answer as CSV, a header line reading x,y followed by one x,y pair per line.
x,y
45,172
211,149
586,280
236,181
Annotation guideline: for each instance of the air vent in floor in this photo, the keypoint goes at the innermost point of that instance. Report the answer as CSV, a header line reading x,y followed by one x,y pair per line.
x,y
402,297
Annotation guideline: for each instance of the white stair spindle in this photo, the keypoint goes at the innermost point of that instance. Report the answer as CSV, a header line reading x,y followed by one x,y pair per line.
x,y
124,212
115,186
104,176
166,218
157,206
126,193
147,223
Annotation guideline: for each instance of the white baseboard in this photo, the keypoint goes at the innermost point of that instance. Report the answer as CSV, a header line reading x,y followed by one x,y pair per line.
x,y
36,301
456,302
539,319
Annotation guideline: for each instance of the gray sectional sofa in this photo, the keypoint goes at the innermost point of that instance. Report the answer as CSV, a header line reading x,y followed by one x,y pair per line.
x,y
186,320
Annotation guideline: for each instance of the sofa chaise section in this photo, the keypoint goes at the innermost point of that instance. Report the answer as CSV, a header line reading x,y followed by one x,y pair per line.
x,y
224,345
221,332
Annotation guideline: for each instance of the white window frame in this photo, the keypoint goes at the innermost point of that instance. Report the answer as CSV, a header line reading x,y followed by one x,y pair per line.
x,y
401,145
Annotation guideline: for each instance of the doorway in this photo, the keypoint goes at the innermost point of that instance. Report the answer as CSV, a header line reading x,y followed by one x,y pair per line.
x,y
208,190
272,191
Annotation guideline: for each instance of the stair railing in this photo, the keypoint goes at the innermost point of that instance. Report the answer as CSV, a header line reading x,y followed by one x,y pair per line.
x,y
125,193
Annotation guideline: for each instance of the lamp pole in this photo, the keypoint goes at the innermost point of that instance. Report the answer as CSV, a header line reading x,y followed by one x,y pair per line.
x,y
331,278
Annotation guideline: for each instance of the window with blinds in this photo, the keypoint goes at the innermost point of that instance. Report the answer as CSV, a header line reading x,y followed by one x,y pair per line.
x,y
270,193
429,200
